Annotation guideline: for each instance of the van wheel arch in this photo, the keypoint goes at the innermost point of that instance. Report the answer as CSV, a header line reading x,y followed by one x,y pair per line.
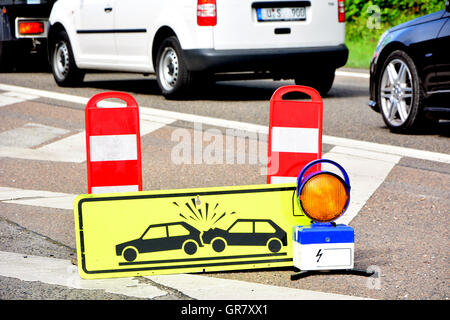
x,y
64,68
172,75
162,34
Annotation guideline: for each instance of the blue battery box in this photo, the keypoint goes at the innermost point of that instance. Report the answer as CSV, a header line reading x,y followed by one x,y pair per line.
x,y
324,233
323,247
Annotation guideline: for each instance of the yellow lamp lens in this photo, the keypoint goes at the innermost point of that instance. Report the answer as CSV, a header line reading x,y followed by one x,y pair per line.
x,y
324,197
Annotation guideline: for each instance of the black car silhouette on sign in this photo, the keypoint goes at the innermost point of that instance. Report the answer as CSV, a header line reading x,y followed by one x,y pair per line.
x,y
162,237
247,232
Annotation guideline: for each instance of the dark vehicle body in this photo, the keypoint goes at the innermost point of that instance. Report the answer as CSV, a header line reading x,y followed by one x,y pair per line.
x,y
220,238
188,241
423,46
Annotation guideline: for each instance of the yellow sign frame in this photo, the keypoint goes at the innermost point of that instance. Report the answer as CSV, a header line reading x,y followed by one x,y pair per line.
x,y
206,230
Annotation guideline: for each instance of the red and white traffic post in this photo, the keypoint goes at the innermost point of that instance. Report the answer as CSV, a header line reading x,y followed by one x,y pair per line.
x,y
295,134
113,145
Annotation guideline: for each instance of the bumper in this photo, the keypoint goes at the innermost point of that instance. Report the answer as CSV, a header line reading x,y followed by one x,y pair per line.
x,y
287,59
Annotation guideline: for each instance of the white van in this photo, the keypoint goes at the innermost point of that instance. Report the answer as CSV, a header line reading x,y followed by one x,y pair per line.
x,y
186,41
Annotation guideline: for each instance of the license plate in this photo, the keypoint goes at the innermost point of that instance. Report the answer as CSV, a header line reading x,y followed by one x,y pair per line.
x,y
281,14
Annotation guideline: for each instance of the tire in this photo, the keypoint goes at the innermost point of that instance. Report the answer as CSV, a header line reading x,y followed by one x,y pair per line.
x,y
400,94
218,245
274,245
172,75
64,68
190,247
322,80
130,254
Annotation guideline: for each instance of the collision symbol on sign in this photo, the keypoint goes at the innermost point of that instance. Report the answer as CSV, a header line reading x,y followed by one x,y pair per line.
x,y
193,230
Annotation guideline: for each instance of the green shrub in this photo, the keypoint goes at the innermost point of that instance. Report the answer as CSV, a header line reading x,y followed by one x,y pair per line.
x,y
367,20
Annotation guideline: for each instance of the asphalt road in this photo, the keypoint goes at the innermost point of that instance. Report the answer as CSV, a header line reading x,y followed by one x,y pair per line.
x,y
401,226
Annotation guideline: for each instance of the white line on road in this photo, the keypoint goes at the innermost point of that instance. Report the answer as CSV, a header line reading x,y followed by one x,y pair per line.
x,y
356,156
352,74
62,272
367,170
72,148
164,116
35,133
356,162
37,198
7,98
206,288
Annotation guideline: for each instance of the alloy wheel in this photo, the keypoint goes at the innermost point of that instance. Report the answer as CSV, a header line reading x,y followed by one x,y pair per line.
x,y
396,92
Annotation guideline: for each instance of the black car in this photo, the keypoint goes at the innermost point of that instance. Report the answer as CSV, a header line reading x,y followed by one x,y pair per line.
x,y
247,232
410,73
162,237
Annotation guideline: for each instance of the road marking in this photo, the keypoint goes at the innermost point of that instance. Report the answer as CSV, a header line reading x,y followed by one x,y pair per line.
x,y
387,149
352,74
37,198
62,272
206,288
364,182
7,194
8,98
367,171
71,148
162,117
356,156
30,135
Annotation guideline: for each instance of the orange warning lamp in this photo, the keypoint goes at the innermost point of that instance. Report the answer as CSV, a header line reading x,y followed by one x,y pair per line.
x,y
323,196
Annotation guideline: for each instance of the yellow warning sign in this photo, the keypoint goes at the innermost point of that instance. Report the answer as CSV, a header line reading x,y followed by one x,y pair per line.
x,y
186,230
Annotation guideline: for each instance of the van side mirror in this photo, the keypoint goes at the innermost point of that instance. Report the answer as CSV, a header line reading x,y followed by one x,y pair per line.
x,y
447,6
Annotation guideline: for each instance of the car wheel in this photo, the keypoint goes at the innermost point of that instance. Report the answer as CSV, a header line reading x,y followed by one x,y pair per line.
x,y
130,254
172,75
218,245
64,69
190,247
322,80
274,245
400,93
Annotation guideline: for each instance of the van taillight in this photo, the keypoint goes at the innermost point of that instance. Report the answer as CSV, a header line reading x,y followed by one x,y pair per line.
x,y
341,10
206,13
31,27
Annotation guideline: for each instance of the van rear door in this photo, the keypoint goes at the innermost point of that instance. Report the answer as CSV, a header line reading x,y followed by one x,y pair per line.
x,y
260,24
